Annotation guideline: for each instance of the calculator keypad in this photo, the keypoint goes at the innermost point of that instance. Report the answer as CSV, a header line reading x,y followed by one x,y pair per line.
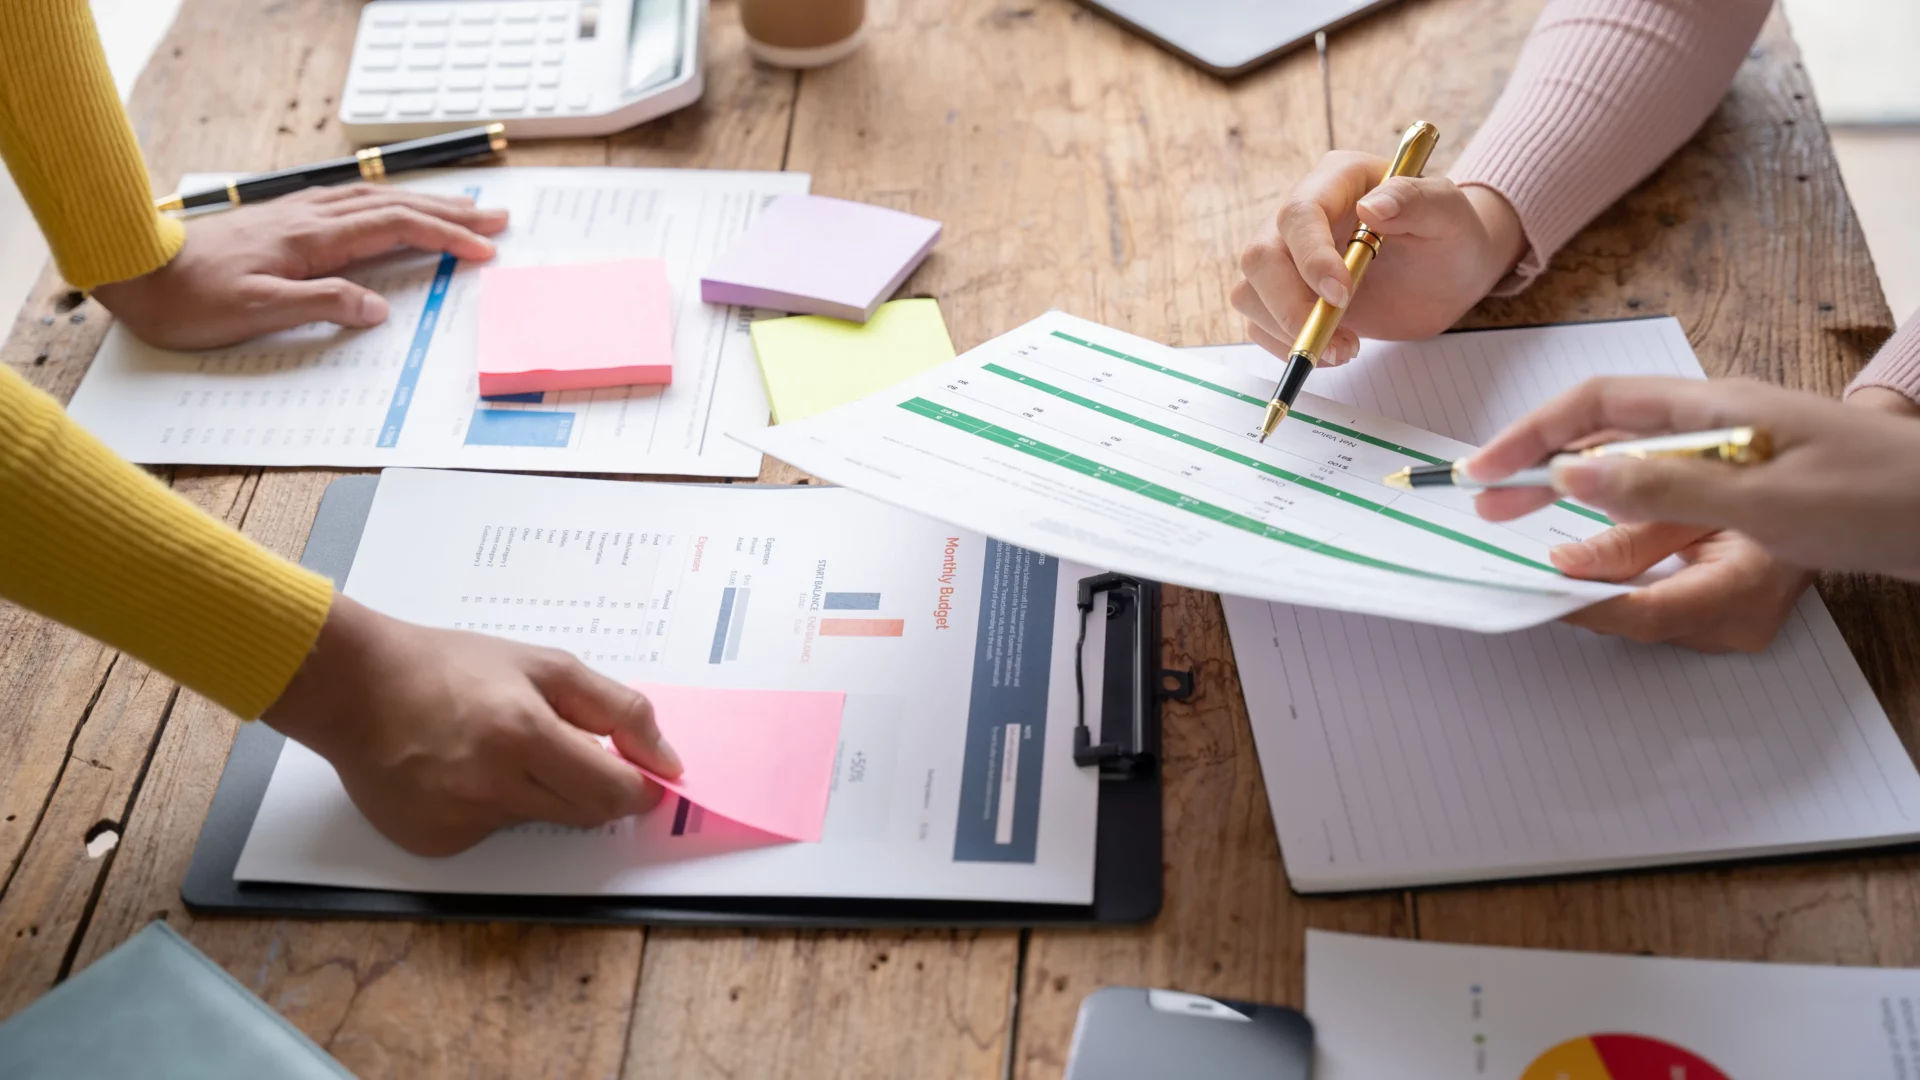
x,y
415,60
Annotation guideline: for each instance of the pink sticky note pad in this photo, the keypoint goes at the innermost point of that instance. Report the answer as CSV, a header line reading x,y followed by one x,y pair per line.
x,y
763,758
813,255
575,327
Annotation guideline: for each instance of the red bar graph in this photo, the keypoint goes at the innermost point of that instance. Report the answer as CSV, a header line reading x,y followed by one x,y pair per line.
x,y
862,627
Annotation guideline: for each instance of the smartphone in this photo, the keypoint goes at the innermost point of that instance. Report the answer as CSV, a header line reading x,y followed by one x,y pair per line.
x,y
1130,1033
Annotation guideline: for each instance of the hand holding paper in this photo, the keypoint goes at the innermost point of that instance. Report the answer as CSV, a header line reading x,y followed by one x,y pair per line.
x,y
763,758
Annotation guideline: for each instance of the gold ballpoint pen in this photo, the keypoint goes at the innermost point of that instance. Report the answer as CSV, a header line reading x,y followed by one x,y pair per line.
x,y
1416,145
1729,446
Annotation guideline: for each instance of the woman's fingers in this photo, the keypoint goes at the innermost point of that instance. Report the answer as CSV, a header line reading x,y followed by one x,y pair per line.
x,y
1295,262
1505,504
1640,405
1246,300
1432,207
1305,221
1344,346
459,209
1675,490
376,229
592,702
1679,490
1273,294
1624,551
284,303
596,785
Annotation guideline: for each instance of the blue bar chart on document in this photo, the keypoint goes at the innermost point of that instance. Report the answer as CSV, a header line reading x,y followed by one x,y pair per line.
x,y
954,777
406,392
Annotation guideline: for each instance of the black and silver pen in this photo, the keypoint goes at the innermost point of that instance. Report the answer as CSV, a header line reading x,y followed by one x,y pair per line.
x,y
1734,446
372,163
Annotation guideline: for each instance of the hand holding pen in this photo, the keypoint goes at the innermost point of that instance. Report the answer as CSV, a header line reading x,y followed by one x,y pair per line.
x,y
1445,247
1323,320
1728,446
1840,489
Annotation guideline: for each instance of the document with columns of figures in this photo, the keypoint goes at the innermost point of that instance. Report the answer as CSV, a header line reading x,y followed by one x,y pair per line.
x,y
406,392
1068,437
954,778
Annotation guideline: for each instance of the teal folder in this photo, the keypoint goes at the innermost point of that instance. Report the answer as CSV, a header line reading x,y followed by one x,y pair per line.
x,y
158,1009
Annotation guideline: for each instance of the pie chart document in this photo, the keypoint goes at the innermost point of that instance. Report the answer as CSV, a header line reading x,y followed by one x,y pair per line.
x,y
1389,1007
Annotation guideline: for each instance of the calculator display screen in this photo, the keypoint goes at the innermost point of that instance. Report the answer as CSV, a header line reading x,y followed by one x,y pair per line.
x,y
653,45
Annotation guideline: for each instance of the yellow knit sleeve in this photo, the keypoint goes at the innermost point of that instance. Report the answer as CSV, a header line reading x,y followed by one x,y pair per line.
x,y
70,148
95,543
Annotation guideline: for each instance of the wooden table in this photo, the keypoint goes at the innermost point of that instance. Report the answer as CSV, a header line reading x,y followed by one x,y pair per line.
x,y
1074,166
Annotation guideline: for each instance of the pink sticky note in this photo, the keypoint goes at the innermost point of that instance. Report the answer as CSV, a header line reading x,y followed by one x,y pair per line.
x,y
818,256
575,327
763,758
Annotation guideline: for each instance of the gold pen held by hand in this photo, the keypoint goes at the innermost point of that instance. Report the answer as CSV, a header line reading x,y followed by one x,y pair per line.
x,y
1733,446
1416,145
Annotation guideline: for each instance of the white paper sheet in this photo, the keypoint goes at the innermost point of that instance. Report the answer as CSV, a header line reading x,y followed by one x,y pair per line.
x,y
1383,1007
1470,384
406,392
1069,437
955,778
1401,755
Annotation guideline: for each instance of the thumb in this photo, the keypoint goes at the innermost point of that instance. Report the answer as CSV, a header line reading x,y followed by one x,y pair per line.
x,y
285,303
1624,551
1656,489
592,702
1424,206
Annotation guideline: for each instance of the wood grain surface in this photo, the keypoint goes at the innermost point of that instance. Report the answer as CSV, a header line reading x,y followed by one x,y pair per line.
x,y
1077,167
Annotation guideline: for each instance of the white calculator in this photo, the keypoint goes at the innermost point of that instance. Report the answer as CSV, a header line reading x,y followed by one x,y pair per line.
x,y
544,68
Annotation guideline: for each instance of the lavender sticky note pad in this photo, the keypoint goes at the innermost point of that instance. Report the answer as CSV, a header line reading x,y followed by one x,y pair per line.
x,y
812,255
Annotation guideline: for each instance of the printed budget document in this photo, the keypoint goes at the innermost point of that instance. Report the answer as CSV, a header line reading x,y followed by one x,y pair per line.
x,y
1068,437
406,392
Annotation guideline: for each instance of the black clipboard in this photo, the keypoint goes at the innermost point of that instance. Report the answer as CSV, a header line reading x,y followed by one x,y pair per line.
x,y
1127,858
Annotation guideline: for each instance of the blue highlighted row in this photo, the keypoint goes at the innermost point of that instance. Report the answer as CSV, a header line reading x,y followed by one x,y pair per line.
x,y
726,632
417,350
417,353
520,427
852,601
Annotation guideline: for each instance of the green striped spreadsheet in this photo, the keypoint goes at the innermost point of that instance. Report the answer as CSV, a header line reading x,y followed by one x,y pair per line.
x,y
1091,444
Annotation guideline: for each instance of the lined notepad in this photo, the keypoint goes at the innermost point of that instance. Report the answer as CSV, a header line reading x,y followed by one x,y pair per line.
x,y
1397,754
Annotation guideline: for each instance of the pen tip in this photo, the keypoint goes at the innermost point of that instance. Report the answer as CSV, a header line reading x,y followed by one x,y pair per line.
x,y
1402,480
1276,412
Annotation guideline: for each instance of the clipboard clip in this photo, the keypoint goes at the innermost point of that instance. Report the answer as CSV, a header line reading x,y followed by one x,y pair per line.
x,y
1134,754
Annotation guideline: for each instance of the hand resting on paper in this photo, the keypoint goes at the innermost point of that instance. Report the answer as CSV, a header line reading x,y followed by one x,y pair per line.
x,y
1731,596
1446,248
257,269
1737,588
441,737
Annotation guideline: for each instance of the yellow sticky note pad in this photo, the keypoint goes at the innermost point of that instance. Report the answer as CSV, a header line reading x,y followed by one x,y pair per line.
x,y
812,363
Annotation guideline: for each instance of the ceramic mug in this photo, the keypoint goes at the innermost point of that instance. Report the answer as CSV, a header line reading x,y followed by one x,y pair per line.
x,y
802,33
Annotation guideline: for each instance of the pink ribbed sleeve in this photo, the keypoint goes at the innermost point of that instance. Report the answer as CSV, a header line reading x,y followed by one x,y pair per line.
x,y
1897,367
1603,92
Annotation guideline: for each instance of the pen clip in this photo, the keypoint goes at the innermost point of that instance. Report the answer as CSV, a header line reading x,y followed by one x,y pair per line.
x,y
1416,146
